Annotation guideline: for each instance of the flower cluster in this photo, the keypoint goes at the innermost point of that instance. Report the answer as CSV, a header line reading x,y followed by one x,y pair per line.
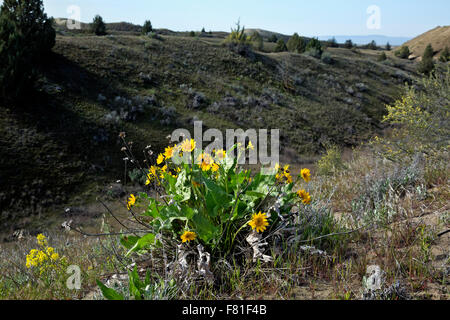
x,y
42,258
212,199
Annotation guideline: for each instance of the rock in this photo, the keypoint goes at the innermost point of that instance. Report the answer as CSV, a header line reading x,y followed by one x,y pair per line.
x,y
350,90
101,98
361,87
375,288
116,190
198,101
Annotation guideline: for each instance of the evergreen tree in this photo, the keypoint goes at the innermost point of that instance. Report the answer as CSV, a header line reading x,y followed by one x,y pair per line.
x,y
296,44
426,66
388,47
403,52
445,55
315,44
281,46
257,41
348,44
98,26
26,39
273,38
203,30
372,45
332,43
147,28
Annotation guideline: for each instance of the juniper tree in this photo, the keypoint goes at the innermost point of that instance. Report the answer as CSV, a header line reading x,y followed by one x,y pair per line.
x,y
26,39
281,46
296,44
426,66
445,55
98,26
147,28
348,44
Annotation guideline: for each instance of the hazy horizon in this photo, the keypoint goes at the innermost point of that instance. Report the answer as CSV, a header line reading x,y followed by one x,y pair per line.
x,y
354,18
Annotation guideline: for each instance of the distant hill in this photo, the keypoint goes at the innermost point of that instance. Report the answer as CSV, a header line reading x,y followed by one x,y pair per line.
x,y
379,39
439,37
267,34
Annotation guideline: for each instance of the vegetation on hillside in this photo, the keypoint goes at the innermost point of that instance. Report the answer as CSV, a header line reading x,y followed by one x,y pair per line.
x,y
26,38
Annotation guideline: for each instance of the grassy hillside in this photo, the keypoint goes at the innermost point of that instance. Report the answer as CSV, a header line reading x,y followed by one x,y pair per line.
x,y
65,143
439,38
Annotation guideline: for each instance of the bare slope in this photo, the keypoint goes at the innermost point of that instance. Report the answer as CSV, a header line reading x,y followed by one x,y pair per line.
x,y
439,38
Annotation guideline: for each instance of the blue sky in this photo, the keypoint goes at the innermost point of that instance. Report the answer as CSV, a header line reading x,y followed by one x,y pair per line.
x,y
309,18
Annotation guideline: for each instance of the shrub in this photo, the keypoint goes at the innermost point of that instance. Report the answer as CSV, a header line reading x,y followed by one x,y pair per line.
x,y
426,66
273,38
296,44
423,119
257,41
281,46
313,52
403,52
372,45
382,57
445,55
315,46
332,43
98,26
26,39
192,34
209,202
331,162
238,41
348,44
326,58
147,28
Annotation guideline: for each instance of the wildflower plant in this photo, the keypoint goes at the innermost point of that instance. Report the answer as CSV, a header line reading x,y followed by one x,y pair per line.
x,y
45,263
208,199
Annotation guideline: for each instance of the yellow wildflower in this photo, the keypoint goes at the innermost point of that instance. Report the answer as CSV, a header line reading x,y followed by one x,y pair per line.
x,y
205,161
220,154
259,222
250,146
168,152
160,159
42,240
188,236
131,201
188,145
306,198
306,174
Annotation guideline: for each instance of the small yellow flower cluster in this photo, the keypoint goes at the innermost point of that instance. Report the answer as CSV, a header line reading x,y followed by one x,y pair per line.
x,y
39,258
303,194
283,174
206,162
131,201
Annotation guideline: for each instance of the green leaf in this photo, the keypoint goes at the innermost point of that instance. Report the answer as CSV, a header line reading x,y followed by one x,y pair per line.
x,y
204,228
109,293
128,241
135,284
147,240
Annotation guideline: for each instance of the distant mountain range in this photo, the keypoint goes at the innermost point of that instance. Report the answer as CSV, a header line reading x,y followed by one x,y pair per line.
x,y
379,39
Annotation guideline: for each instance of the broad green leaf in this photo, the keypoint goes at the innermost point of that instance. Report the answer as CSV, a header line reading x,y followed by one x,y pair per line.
x,y
109,293
147,240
